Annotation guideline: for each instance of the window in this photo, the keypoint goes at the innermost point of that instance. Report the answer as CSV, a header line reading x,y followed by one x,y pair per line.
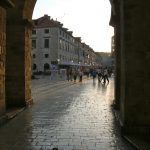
x,y
60,43
33,32
46,43
46,66
62,46
46,55
34,67
83,54
34,56
60,57
46,31
33,43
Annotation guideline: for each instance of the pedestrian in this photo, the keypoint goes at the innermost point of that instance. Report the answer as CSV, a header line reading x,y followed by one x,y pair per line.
x,y
68,74
80,75
100,74
105,76
75,73
87,72
94,74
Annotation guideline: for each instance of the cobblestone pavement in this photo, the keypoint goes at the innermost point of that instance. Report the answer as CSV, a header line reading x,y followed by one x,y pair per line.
x,y
77,117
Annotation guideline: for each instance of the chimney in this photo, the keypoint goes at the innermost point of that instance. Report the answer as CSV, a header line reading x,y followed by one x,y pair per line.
x,y
45,15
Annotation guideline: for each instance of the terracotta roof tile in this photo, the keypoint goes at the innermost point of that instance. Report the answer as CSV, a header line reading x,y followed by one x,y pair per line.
x,y
45,21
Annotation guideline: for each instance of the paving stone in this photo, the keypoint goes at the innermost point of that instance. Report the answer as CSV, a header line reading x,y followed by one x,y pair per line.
x,y
76,117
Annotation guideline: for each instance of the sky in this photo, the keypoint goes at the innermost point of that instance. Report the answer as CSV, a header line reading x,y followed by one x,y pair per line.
x,y
88,19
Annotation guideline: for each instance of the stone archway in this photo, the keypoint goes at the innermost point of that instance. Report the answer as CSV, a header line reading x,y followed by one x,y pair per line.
x,y
134,55
18,56
132,33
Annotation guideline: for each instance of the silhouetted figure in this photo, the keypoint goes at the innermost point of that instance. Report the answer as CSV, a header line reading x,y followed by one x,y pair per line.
x,y
105,76
68,74
75,73
100,75
80,75
94,74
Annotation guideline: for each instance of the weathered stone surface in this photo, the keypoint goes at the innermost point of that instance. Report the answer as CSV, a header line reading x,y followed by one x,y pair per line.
x,y
18,62
134,55
2,58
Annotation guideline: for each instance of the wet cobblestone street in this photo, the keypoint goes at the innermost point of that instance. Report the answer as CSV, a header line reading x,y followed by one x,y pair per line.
x,y
76,117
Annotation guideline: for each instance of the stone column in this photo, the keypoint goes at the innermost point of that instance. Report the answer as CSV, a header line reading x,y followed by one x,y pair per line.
x,y
2,58
18,62
3,6
115,22
28,62
135,61
117,67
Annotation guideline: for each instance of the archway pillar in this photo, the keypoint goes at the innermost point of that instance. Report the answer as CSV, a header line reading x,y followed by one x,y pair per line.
x,y
135,62
2,58
117,67
3,7
18,62
115,22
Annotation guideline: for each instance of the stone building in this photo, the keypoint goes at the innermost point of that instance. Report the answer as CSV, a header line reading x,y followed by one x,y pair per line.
x,y
98,59
89,55
106,59
80,51
52,44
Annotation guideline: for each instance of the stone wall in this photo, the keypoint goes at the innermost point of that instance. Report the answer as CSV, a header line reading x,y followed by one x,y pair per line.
x,y
40,51
18,57
135,60
28,67
2,58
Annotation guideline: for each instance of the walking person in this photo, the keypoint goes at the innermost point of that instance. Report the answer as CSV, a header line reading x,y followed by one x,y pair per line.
x,y
100,75
68,74
80,75
94,74
75,73
105,76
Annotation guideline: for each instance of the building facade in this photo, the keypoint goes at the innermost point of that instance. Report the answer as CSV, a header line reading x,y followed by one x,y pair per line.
x,y
54,46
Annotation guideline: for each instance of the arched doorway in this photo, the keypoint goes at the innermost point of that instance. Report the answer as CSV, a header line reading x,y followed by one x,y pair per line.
x,y
18,57
134,82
